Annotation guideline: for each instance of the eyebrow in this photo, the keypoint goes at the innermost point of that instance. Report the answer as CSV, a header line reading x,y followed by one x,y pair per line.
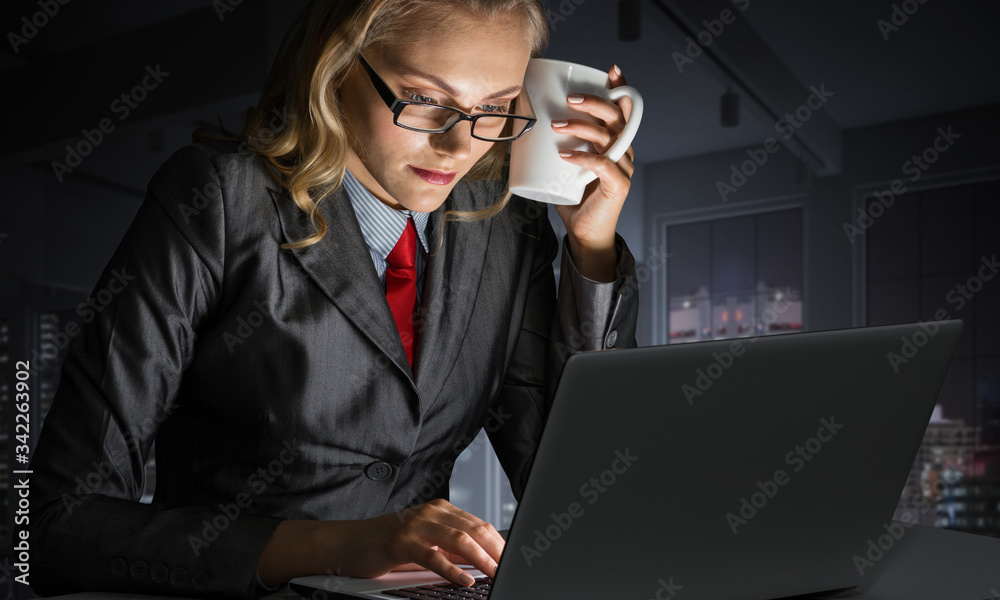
x,y
450,90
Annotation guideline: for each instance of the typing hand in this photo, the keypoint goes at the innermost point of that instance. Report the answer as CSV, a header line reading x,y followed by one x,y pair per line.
x,y
437,536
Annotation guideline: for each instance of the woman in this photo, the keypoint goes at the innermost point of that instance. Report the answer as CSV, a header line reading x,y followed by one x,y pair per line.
x,y
307,410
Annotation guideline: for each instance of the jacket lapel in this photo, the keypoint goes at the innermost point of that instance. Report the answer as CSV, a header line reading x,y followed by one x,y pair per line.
x,y
341,266
451,285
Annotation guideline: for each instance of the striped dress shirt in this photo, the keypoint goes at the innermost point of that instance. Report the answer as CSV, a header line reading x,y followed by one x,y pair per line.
x,y
382,225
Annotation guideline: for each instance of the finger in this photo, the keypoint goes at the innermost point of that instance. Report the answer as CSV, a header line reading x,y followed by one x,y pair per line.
x,y
460,546
433,560
482,531
486,545
613,180
630,154
600,108
485,537
625,104
616,77
598,135
627,165
486,540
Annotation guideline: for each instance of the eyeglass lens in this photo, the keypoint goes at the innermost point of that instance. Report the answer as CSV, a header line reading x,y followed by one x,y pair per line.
x,y
438,118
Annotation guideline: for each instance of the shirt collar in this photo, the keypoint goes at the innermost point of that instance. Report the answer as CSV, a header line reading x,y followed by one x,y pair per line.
x,y
380,224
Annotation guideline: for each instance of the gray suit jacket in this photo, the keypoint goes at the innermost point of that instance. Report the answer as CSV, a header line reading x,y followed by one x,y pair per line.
x,y
274,381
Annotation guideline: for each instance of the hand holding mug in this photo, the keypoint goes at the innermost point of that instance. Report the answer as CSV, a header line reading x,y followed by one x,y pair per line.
x,y
586,120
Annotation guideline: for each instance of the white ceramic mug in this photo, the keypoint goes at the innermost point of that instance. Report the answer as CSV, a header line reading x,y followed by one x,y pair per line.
x,y
537,171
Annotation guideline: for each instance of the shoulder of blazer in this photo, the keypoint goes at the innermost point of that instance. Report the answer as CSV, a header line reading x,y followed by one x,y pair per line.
x,y
237,164
210,165
225,174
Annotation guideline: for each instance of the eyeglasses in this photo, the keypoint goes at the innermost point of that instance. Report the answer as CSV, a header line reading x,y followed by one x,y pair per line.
x,y
434,118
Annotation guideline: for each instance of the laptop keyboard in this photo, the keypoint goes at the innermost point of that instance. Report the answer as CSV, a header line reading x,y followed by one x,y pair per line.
x,y
449,591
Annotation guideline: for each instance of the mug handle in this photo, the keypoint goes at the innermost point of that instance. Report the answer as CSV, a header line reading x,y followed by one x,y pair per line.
x,y
617,150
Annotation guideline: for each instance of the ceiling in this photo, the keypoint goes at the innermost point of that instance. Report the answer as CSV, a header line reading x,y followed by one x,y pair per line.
x,y
945,57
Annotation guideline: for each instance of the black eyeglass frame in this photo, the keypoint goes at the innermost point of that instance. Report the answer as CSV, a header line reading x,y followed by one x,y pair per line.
x,y
396,105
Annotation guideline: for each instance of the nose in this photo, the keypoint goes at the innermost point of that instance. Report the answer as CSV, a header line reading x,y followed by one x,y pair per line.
x,y
456,142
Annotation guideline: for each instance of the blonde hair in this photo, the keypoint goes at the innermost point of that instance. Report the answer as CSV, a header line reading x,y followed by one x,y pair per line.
x,y
308,155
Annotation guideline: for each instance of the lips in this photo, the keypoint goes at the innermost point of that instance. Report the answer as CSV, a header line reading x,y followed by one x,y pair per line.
x,y
435,177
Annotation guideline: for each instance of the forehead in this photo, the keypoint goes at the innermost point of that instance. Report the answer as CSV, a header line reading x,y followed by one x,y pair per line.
x,y
473,54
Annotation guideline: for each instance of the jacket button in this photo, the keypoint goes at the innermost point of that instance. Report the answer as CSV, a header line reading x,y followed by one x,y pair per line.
x,y
377,471
139,569
612,338
159,573
179,577
119,567
199,580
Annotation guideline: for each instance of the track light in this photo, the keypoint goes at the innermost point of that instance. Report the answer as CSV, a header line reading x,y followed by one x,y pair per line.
x,y
729,113
629,20
803,173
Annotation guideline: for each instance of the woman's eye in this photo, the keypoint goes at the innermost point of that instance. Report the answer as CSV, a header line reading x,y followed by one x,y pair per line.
x,y
419,98
493,108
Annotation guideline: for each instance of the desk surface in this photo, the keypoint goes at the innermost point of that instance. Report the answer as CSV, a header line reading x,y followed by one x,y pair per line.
x,y
934,564
925,564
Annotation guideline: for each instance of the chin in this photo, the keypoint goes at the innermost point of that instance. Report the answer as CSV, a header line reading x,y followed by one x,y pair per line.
x,y
430,204
419,200
424,197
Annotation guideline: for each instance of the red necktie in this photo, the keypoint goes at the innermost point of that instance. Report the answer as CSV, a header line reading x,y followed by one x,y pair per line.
x,y
401,287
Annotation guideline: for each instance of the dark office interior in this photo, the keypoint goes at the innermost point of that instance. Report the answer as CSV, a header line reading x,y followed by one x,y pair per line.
x,y
801,166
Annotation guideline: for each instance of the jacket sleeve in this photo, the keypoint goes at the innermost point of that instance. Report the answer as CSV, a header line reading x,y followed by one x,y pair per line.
x,y
119,382
589,316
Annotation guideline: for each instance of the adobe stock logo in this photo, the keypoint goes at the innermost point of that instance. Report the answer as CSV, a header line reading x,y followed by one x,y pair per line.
x,y
899,16
877,547
959,297
245,326
30,27
439,477
591,491
232,511
668,589
225,6
705,377
122,107
565,9
916,166
118,280
786,127
713,29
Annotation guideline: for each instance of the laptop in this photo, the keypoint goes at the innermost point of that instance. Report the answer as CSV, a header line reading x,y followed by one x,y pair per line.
x,y
750,468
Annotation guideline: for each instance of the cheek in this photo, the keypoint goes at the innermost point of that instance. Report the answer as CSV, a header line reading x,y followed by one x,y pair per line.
x,y
479,148
388,140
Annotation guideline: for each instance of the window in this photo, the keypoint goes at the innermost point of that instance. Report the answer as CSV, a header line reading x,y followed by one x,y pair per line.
x,y
934,253
735,277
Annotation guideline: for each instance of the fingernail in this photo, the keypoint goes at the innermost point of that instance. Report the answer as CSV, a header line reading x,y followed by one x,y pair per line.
x,y
565,153
575,98
466,579
618,71
560,123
